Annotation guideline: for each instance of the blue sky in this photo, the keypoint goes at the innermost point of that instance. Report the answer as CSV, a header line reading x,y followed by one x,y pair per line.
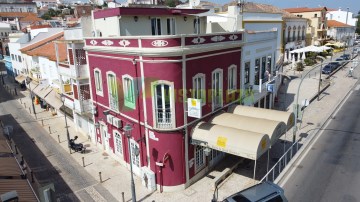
x,y
354,5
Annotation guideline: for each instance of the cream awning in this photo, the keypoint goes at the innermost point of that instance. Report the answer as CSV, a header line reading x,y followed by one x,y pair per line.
x,y
20,78
242,143
42,91
4,148
264,126
53,100
287,117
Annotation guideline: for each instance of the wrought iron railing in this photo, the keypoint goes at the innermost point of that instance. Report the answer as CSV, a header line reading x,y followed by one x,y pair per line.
x,y
164,118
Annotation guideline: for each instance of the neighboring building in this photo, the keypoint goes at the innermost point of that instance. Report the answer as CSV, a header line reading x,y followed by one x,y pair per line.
x,y
340,16
5,30
19,21
47,3
317,23
341,32
82,11
17,40
22,6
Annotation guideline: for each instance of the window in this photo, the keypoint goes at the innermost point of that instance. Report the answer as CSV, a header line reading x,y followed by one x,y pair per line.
x,y
217,94
269,64
315,15
264,71
134,158
303,33
199,158
298,36
247,73
257,71
19,58
118,143
129,93
232,78
12,57
80,57
170,26
113,93
98,82
288,35
199,90
163,104
294,31
155,26
196,26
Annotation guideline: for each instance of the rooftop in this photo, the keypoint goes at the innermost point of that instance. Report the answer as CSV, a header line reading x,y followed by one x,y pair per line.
x,y
42,42
48,50
304,9
334,23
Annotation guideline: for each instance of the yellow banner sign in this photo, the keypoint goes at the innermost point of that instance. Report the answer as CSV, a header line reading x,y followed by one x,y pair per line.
x,y
221,142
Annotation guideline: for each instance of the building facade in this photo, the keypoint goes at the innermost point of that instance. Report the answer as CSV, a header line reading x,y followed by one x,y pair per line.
x,y
339,15
342,32
22,6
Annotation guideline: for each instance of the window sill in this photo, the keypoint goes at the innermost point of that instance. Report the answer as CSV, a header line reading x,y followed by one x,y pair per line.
x,y
100,93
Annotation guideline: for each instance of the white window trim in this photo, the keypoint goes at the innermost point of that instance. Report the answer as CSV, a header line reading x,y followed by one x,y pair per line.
x,y
107,82
99,92
203,83
230,91
115,146
200,167
172,99
156,28
171,19
221,87
134,88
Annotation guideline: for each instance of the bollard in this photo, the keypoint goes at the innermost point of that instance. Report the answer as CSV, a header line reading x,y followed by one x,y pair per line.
x,y
42,122
24,105
123,196
315,74
29,110
16,151
100,177
15,91
59,138
83,160
49,130
32,176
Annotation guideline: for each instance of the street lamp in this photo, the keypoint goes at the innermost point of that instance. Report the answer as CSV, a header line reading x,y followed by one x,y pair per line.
x,y
322,59
127,130
67,129
28,82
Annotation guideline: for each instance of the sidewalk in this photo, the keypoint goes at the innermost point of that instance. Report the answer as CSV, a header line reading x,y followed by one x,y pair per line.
x,y
116,178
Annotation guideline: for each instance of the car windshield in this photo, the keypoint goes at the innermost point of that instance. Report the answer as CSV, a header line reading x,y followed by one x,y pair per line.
x,y
326,68
339,59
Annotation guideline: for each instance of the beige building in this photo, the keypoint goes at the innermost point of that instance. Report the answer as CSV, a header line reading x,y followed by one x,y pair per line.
x,y
316,31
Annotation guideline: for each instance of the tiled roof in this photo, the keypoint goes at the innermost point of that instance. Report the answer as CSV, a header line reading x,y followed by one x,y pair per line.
x,y
42,42
39,26
30,18
304,9
48,50
334,23
13,14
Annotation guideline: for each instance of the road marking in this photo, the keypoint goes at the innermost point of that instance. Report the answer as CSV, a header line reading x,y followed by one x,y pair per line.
x,y
357,87
313,142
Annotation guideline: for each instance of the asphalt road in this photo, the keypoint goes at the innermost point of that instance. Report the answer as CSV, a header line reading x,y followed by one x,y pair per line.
x,y
330,171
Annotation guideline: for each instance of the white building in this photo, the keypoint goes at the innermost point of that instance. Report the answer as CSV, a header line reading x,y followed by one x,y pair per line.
x,y
340,16
18,6
339,31
47,3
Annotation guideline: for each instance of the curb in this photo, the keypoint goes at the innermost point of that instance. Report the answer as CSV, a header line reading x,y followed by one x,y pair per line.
x,y
311,137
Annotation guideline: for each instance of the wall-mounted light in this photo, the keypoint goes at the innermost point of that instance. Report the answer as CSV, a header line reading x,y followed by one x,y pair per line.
x,y
185,18
106,112
136,18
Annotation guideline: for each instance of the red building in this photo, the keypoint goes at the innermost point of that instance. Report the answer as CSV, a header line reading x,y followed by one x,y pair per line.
x,y
145,80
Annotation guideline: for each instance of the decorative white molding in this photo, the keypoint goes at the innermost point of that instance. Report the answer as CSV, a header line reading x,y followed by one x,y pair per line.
x,y
159,43
217,38
93,42
198,40
233,37
107,42
124,43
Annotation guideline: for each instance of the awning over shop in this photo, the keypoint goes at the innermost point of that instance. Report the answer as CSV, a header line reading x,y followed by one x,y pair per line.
x,y
287,117
242,143
33,85
20,78
9,167
264,126
21,186
54,100
4,148
42,91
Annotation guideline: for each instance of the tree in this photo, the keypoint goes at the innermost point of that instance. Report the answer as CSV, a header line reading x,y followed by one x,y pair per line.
x,y
358,23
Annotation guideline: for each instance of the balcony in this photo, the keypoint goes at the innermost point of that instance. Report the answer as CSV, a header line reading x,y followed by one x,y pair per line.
x,y
164,118
74,71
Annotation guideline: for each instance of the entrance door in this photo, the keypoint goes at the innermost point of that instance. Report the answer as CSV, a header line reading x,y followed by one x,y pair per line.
x,y
105,137
135,157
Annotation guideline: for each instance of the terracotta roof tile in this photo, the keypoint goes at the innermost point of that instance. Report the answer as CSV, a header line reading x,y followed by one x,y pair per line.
x,y
31,18
42,42
304,9
334,23
48,50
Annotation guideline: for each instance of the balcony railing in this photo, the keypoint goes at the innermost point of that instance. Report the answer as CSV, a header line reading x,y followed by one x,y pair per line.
x,y
114,103
164,118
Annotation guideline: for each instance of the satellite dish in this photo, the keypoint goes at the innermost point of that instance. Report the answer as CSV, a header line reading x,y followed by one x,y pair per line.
x,y
194,3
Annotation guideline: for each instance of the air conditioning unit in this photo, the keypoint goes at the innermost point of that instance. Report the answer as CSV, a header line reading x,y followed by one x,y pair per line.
x,y
117,122
148,179
109,119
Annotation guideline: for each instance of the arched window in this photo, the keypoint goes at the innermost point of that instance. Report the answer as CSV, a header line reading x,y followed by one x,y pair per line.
x,y
112,90
298,36
303,33
294,32
163,102
288,35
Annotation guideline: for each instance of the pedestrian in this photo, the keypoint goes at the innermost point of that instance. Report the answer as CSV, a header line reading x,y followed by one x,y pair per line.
x,y
267,75
351,70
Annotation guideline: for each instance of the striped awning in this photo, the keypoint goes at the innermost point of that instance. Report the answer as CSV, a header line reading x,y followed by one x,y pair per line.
x,y
21,186
9,167
4,147
53,100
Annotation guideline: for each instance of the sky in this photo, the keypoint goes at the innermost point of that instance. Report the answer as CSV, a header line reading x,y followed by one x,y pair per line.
x,y
354,5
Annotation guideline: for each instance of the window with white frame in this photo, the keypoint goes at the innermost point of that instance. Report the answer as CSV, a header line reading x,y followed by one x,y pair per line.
x,y
129,92
197,25
247,73
217,89
163,104
118,143
155,26
199,90
98,82
231,78
134,158
199,158
170,26
113,92
264,71
257,71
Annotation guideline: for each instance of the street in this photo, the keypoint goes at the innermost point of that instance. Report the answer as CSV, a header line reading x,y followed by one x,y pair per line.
x,y
329,169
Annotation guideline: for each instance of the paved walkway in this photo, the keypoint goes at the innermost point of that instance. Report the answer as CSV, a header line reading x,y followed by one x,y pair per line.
x,y
116,178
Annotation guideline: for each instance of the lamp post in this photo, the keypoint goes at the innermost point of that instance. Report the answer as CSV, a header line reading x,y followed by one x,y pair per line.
x,y
322,59
28,82
127,130
66,126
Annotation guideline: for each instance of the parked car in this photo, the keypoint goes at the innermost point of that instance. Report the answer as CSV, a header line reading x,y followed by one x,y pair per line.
x,y
356,50
265,191
334,64
340,61
328,69
346,56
